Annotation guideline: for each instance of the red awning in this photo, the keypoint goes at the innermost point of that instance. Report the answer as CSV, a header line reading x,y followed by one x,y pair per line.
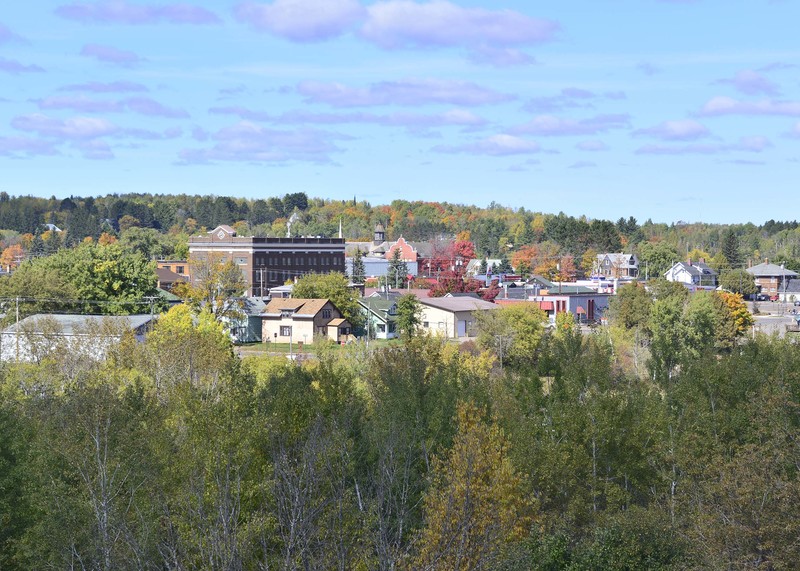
x,y
581,310
546,305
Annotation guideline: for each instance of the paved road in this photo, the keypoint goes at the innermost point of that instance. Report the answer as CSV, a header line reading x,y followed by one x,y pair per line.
x,y
773,317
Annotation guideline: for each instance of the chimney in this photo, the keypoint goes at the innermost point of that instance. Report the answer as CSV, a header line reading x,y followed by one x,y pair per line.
x,y
702,260
690,261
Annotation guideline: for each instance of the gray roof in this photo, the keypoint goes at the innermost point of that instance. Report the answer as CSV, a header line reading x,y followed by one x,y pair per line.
x,y
457,303
793,286
770,270
70,323
694,269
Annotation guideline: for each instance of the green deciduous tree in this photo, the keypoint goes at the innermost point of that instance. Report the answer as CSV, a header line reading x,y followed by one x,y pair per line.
x,y
332,286
474,506
409,315
738,280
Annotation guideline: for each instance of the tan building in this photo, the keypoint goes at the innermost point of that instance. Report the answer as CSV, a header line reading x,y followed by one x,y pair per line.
x,y
452,317
288,320
269,262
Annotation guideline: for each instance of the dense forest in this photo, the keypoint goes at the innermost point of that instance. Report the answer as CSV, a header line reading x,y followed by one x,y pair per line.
x,y
159,226
668,440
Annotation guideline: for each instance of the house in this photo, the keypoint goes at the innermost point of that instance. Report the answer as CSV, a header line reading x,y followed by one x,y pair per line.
x,y
284,291
248,328
180,267
771,279
616,265
378,254
269,262
167,279
584,303
791,293
694,275
81,336
452,317
381,317
287,320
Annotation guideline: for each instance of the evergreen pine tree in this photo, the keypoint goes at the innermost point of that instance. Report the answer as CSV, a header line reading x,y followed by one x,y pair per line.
x,y
358,272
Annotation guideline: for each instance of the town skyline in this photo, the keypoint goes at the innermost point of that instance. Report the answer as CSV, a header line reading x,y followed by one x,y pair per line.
x,y
663,110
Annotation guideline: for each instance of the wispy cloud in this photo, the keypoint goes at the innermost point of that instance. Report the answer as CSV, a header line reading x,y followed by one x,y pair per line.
x,y
745,144
551,126
122,12
593,146
682,130
108,54
648,68
15,68
403,23
7,36
750,82
500,57
408,92
140,105
147,106
74,128
496,145
248,142
112,87
794,133
302,20
730,106
26,146
582,165
454,117
570,98
776,66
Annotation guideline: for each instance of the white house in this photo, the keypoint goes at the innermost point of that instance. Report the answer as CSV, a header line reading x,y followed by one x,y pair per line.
x,y
694,275
44,336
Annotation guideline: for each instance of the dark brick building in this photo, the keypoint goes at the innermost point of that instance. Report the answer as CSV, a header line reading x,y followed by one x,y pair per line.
x,y
270,262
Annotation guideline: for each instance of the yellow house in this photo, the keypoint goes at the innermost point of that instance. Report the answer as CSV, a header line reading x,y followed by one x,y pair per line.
x,y
286,320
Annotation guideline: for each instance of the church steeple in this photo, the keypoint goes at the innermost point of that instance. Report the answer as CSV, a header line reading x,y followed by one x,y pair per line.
x,y
380,234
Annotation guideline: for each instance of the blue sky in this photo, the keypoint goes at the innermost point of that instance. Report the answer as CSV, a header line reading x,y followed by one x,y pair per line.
x,y
668,110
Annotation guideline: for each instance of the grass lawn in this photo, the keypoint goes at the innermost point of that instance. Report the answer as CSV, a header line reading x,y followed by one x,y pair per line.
x,y
283,348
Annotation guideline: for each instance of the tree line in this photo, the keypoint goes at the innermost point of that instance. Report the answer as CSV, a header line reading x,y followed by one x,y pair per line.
x,y
159,225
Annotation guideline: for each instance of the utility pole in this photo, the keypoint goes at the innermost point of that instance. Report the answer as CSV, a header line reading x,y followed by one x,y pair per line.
x,y
17,327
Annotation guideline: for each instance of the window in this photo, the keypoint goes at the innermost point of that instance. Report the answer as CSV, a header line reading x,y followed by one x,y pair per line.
x,y
241,261
425,324
381,328
286,312
286,330
179,269
326,313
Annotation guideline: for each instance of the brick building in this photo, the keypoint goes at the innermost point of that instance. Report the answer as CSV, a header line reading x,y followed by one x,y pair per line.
x,y
269,262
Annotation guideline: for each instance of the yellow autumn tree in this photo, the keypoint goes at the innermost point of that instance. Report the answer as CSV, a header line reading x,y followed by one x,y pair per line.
x,y
737,311
475,504
11,257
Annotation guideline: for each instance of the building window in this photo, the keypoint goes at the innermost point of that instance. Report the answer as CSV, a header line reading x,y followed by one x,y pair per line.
x,y
178,269
286,330
326,313
425,324
286,312
241,261
381,328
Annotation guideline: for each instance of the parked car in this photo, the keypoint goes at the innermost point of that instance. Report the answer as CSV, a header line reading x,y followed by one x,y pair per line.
x,y
762,297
